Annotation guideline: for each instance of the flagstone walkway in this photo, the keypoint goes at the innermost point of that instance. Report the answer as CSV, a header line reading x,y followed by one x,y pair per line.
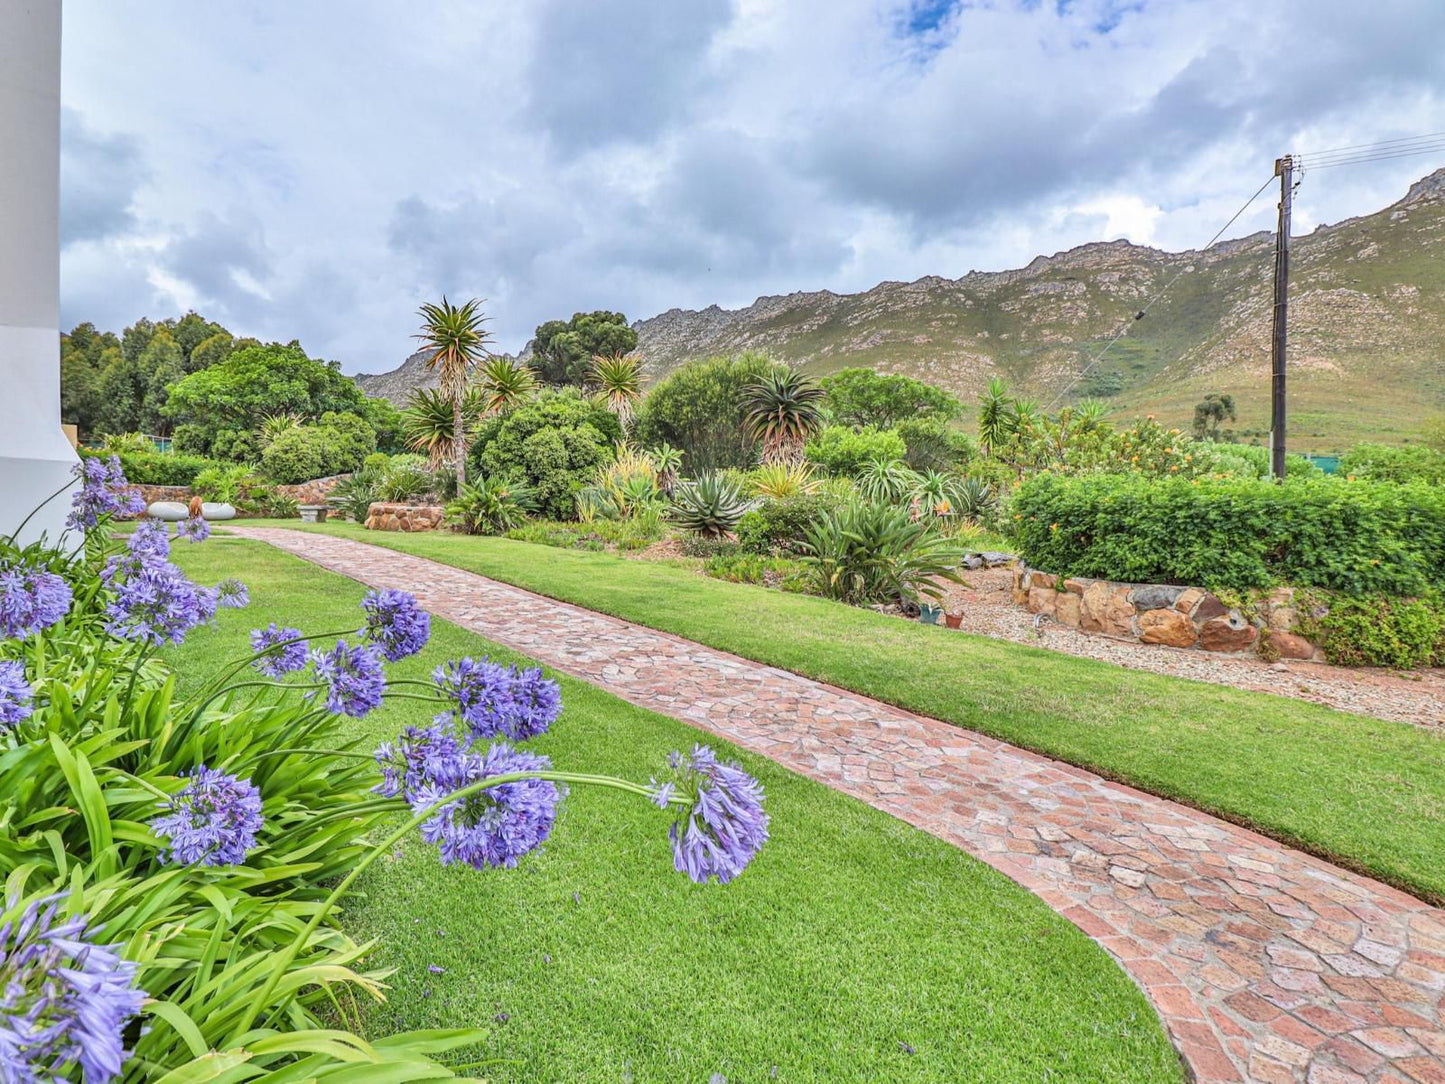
x,y
1264,963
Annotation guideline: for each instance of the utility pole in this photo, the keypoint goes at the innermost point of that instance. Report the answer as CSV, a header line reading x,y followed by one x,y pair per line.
x,y
1284,170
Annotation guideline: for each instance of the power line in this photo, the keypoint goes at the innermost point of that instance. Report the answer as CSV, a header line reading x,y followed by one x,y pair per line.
x,y
1331,163
1158,294
1370,146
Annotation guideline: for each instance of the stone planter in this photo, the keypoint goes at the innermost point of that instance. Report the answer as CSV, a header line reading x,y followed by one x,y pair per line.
x,y
385,516
1155,613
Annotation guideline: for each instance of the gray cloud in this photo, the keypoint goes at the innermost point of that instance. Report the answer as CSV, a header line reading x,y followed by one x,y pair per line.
x,y
99,177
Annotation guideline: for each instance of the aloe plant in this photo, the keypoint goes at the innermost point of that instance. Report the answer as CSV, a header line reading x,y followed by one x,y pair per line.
x,y
710,505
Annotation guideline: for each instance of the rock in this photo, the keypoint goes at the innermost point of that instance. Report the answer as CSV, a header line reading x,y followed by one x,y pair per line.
x,y
1068,608
1161,626
219,512
1076,587
1106,609
1041,600
973,561
1154,596
1282,618
994,559
168,511
1042,579
383,516
1230,632
1188,599
1291,646
1209,608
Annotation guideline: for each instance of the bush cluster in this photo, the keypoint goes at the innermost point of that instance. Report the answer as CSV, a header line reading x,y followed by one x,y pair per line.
x,y
843,450
162,468
1383,463
777,527
1402,634
1234,534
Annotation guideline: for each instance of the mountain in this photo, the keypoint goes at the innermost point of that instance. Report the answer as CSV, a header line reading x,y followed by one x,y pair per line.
x,y
1367,327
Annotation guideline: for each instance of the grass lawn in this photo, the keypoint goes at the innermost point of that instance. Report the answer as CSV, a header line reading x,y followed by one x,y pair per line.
x,y
1366,793
854,948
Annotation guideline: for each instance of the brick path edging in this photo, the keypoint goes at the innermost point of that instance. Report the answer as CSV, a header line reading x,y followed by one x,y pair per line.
x,y
1264,963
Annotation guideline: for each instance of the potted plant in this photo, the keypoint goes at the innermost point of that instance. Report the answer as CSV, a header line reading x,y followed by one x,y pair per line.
x,y
929,612
953,620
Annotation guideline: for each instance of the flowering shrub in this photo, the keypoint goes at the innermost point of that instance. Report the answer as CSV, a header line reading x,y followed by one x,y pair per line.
x,y
172,868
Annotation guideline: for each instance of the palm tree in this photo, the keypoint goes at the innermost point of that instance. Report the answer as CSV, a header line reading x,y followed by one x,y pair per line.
x,y
619,377
428,422
455,335
996,418
505,384
783,411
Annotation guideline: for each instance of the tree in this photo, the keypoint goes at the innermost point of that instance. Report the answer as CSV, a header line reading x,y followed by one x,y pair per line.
x,y
563,349
455,335
85,354
864,397
699,409
997,417
505,384
1211,413
784,409
619,378
428,422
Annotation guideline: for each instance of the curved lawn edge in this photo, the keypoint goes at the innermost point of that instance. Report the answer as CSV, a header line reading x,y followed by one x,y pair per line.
x,y
1365,794
844,900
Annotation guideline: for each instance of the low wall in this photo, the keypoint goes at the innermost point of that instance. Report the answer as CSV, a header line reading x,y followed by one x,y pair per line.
x,y
1153,613
313,492
385,516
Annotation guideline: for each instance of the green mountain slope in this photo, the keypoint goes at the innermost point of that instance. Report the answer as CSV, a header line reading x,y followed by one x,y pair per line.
x,y
1367,345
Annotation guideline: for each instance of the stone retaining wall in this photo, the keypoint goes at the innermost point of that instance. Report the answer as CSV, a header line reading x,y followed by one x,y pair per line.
x,y
383,516
313,492
1153,613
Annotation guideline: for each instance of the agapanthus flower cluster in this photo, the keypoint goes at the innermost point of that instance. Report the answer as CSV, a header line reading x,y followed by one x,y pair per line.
x,y
31,599
63,1000
104,491
15,694
395,623
232,594
283,660
499,701
212,821
408,763
354,677
155,604
496,826
149,540
725,826
193,529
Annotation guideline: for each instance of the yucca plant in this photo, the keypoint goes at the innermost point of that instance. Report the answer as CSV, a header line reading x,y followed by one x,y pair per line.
x,y
458,342
667,461
784,409
870,553
491,506
783,480
887,481
975,498
619,378
710,505
504,385
429,422
997,421
273,425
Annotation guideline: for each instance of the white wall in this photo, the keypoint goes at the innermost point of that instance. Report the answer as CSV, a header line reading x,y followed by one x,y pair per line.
x,y
35,457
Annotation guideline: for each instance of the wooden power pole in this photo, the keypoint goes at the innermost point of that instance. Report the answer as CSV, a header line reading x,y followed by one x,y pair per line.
x,y
1284,169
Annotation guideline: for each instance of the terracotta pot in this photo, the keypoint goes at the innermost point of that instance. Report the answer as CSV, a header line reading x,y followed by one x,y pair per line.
x,y
953,621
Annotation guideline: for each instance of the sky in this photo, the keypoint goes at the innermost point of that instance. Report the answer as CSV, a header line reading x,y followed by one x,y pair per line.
x,y
317,170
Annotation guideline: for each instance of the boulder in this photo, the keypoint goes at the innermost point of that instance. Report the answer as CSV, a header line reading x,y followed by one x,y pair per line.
x,y
1042,579
994,559
1041,600
1291,646
1107,609
1154,596
168,511
1209,608
1230,632
1161,626
1068,608
1188,599
1076,587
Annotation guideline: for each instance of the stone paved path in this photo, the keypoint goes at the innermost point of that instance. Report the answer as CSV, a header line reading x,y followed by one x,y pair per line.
x,y
1265,964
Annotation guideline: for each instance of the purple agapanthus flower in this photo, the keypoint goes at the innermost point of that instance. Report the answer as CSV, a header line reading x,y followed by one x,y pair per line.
x,y
193,529
395,623
417,753
233,594
496,826
725,826
149,540
212,821
499,701
354,675
15,693
156,604
283,660
63,1000
104,491
31,599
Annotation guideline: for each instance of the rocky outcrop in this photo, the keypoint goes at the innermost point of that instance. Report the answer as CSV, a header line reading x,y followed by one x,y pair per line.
x,y
1155,613
383,516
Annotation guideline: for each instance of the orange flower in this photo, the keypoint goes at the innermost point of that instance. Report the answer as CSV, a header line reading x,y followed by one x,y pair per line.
x,y
1055,527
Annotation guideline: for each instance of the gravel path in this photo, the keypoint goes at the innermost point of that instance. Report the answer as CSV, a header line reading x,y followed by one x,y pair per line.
x,y
989,610
1265,964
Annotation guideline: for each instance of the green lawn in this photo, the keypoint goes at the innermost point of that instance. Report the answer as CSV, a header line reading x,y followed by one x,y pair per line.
x,y
854,948
1366,793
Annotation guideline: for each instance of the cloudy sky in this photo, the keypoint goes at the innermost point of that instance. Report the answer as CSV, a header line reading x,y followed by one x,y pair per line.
x,y
315,170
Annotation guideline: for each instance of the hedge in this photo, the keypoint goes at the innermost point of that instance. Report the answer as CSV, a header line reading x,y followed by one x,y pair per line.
x,y
162,468
1234,534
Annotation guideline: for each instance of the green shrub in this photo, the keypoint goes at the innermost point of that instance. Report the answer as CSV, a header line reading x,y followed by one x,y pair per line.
x,y
1234,534
860,396
843,450
757,569
1376,631
779,526
337,444
163,469
221,483
711,504
405,480
491,506
700,409
870,553
1383,463
700,545
353,496
931,444
1253,461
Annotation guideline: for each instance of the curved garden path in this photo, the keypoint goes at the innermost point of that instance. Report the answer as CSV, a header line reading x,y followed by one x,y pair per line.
x,y
1265,964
